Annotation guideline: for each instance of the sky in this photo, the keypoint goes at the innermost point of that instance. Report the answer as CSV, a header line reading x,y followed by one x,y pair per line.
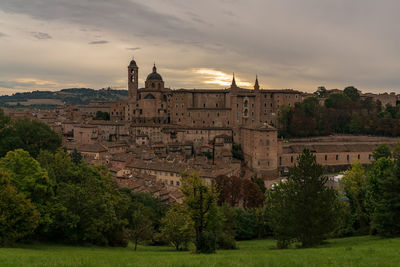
x,y
55,44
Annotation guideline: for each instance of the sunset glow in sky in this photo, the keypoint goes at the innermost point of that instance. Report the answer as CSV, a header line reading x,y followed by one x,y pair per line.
x,y
55,44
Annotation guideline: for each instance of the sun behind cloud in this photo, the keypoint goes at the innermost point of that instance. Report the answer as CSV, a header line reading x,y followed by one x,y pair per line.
x,y
212,76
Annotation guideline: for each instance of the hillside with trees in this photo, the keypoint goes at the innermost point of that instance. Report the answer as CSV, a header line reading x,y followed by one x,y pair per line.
x,y
43,99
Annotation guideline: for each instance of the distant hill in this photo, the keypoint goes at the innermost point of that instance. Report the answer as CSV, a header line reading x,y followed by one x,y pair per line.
x,y
51,99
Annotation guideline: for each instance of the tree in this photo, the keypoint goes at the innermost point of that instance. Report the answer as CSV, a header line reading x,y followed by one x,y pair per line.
x,y
4,120
252,195
245,224
139,225
31,136
76,156
32,181
260,183
93,210
356,125
353,184
352,93
303,208
234,191
337,101
227,227
59,166
200,201
18,216
229,189
156,210
381,151
321,91
284,118
177,227
384,196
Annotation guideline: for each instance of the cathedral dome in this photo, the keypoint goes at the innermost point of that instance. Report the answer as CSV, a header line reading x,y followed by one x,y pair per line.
x,y
154,75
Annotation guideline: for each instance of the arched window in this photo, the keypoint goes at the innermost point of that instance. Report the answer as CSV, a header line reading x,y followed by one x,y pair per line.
x,y
153,85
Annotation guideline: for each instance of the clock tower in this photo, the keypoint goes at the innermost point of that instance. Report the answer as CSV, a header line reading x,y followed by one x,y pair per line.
x,y
133,84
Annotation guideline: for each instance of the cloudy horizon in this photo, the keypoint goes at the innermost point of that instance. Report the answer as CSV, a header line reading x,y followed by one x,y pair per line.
x,y
51,45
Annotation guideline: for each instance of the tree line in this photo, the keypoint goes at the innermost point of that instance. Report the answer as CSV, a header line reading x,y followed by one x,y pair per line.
x,y
340,113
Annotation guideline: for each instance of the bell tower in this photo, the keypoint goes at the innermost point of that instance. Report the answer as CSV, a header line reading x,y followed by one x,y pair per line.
x,y
133,84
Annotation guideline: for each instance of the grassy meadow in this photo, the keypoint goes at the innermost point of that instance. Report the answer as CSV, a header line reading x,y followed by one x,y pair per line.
x,y
354,251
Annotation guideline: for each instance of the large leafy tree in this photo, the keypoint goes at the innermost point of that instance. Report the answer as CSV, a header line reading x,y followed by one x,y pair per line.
x,y
235,191
177,227
140,227
229,189
156,209
302,208
384,196
354,186
32,136
18,216
93,208
32,181
200,201
88,208
352,93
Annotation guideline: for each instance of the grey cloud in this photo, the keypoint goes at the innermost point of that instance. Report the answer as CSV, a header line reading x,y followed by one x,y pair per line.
x,y
41,35
98,42
133,48
2,35
119,15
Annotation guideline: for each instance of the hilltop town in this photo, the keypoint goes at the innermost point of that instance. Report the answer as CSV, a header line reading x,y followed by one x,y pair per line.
x,y
149,139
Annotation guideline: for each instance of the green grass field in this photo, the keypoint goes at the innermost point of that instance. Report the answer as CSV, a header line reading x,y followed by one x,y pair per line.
x,y
355,251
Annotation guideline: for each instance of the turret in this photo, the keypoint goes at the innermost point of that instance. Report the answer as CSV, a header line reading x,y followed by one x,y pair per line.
x,y
233,85
256,86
